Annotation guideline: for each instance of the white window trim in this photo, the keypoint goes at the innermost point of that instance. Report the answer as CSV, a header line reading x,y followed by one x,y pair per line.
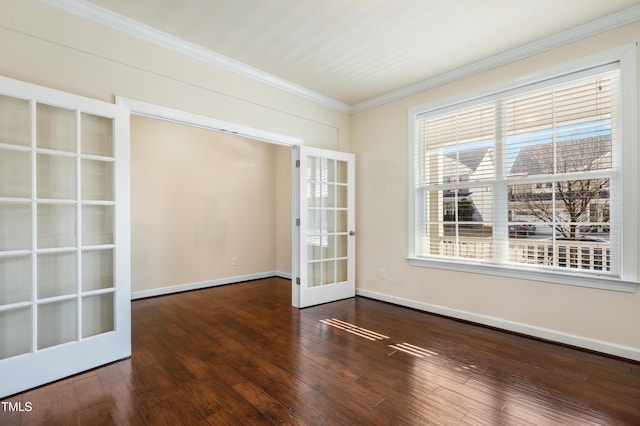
x,y
628,281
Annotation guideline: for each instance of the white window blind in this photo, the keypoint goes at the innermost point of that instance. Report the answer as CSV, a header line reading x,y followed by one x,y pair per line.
x,y
530,177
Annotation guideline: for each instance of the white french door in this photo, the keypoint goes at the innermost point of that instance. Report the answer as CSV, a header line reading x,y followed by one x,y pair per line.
x,y
64,235
326,246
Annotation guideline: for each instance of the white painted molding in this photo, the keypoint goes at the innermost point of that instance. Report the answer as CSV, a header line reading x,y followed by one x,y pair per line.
x,y
159,112
145,32
162,291
521,272
284,275
526,329
137,29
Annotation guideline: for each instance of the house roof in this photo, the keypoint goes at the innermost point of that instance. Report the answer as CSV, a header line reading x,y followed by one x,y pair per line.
x,y
470,158
572,155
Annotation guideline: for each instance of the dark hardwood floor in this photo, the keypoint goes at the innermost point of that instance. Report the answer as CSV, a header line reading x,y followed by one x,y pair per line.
x,y
241,355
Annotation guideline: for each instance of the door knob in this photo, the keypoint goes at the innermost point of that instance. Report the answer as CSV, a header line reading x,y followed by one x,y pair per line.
x,y
352,233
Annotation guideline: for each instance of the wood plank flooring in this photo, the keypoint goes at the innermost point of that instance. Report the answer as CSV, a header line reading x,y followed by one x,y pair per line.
x,y
240,355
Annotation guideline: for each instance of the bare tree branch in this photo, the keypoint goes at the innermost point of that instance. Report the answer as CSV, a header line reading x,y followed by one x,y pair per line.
x,y
567,204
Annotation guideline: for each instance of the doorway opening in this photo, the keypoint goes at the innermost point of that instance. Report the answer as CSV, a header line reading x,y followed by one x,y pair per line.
x,y
211,201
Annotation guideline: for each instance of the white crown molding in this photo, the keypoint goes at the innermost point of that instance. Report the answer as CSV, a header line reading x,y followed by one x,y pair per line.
x,y
137,29
144,32
596,26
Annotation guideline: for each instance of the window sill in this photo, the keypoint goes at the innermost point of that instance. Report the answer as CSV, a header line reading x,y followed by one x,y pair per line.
x,y
602,282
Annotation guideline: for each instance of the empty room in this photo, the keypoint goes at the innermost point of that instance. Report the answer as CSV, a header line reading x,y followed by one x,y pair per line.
x,y
319,212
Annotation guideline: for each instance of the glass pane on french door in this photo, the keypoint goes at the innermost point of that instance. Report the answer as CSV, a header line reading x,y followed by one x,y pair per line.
x,y
58,214
327,207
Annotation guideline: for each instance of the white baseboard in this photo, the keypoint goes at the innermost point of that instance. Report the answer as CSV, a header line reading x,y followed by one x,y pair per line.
x,y
542,333
285,275
206,284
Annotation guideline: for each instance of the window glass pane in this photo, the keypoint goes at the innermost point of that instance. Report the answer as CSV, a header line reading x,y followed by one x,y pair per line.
x,y
529,157
97,314
15,332
342,199
15,223
320,169
564,224
330,249
586,100
461,163
459,146
97,270
563,130
331,170
341,221
56,274
321,247
463,224
342,271
529,113
56,177
318,195
341,245
314,274
57,323
328,272
15,121
586,254
15,174
314,219
314,247
331,220
530,203
341,167
56,226
97,225
56,128
531,250
530,154
474,242
15,279
330,199
583,155
97,135
97,180
576,200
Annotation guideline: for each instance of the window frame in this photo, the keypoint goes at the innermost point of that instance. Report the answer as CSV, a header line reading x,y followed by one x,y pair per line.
x,y
627,281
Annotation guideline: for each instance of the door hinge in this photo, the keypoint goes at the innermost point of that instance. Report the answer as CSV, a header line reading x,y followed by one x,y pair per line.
x,y
298,222
298,280
298,163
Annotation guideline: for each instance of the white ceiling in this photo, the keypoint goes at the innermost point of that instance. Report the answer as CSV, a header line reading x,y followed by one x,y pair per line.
x,y
354,51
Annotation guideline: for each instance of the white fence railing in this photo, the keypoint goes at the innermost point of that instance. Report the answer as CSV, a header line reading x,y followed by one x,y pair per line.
x,y
585,255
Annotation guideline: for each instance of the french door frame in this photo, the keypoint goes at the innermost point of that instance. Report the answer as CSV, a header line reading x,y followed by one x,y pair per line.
x,y
324,251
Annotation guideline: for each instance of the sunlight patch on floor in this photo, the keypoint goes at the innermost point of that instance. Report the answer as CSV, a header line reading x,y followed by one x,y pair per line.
x,y
359,331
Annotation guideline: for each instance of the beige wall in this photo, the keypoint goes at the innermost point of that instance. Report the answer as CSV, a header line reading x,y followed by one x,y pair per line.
x,y
201,198
575,314
283,210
